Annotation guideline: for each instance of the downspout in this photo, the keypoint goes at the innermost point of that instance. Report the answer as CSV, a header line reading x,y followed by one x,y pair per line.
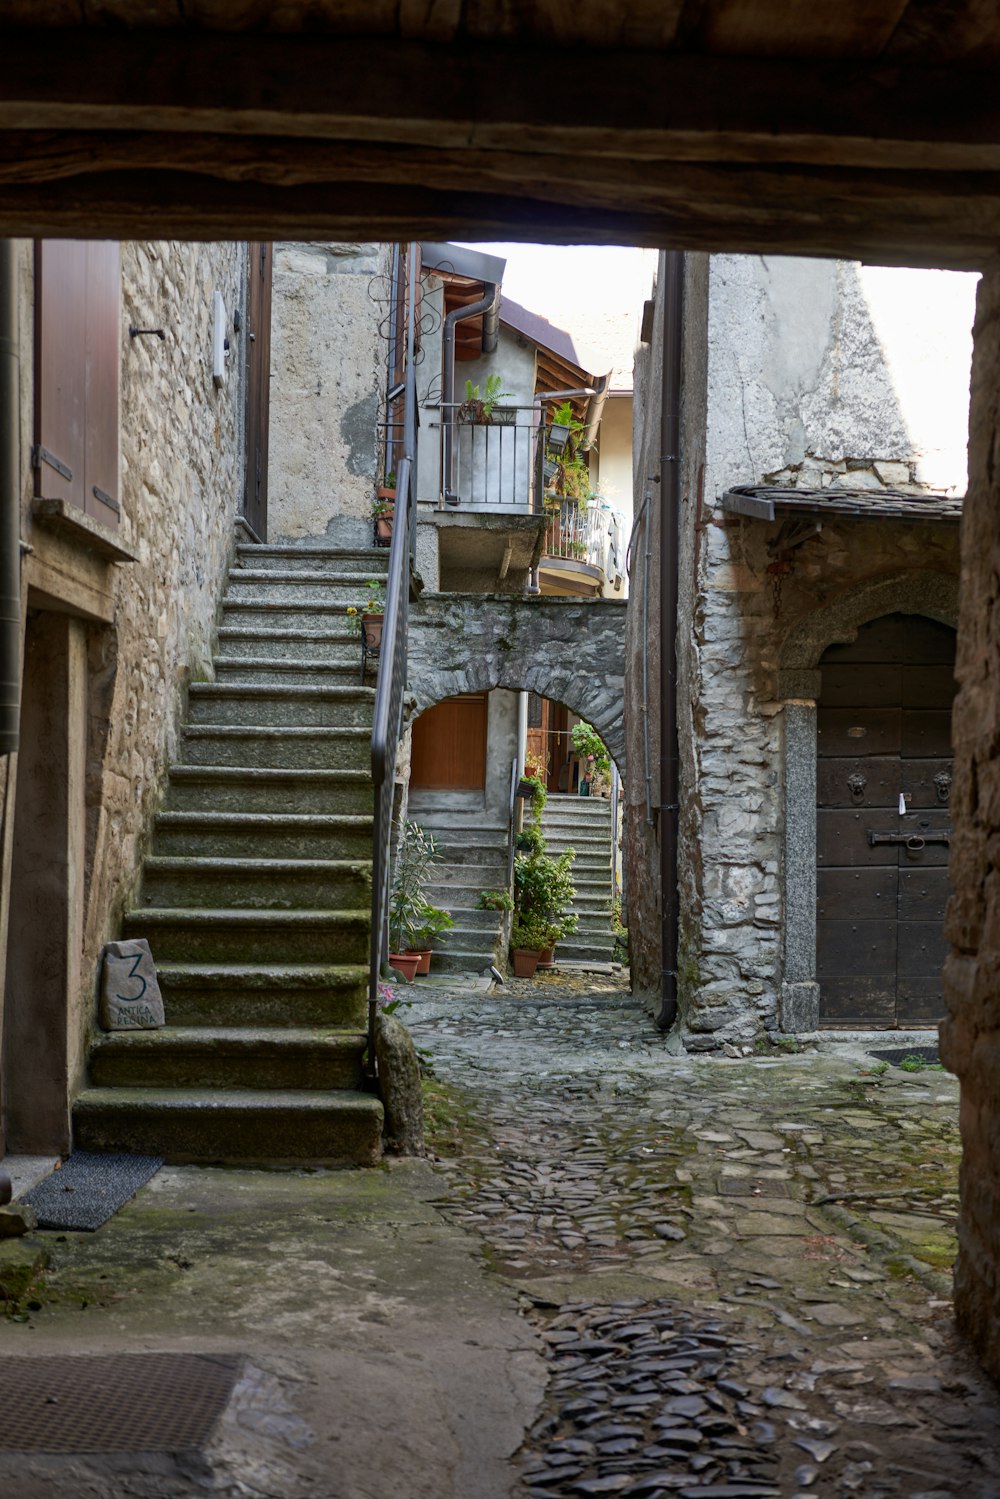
x,y
670,494
594,412
10,493
489,306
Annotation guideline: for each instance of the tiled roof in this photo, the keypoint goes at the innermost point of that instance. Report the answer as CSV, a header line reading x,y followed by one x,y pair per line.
x,y
765,502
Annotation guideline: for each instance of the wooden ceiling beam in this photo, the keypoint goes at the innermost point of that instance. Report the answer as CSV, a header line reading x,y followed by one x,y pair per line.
x,y
624,104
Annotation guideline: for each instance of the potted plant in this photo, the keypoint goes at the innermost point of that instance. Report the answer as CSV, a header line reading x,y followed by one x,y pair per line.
x,y
496,900
383,510
366,618
479,407
431,922
527,940
416,850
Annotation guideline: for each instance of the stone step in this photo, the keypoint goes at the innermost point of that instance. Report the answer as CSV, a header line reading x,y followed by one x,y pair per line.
x,y
464,937
578,952
221,935
238,1127
295,586
278,748
473,959
266,704
264,994
455,836
369,561
266,835
468,917
303,614
256,884
227,1057
252,790
336,644
583,847
293,672
573,808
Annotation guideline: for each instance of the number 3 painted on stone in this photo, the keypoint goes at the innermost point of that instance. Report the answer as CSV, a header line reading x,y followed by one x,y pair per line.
x,y
131,999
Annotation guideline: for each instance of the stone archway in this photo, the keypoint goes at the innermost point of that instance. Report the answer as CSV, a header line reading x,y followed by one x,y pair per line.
x,y
571,650
934,595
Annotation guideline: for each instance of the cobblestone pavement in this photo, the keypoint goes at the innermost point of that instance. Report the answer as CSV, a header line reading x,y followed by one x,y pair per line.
x,y
738,1267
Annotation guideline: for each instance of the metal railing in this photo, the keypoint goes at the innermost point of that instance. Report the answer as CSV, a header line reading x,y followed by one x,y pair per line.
x,y
490,463
582,531
387,724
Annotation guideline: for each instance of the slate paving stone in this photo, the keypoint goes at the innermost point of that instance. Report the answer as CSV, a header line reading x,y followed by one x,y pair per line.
x,y
708,1327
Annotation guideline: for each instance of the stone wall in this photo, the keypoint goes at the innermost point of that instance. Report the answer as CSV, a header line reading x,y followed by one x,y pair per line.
x,y
570,650
970,1035
142,629
798,388
330,303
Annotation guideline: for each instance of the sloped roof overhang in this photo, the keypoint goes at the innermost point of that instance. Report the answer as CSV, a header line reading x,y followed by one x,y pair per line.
x,y
775,502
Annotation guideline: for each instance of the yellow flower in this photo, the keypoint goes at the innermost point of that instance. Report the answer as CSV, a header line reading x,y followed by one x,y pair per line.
x,y
351,609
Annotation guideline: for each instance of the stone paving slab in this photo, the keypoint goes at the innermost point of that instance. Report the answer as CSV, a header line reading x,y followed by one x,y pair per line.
x,y
738,1267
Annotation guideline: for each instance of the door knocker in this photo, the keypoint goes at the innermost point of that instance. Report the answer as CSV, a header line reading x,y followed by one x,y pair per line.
x,y
942,785
857,783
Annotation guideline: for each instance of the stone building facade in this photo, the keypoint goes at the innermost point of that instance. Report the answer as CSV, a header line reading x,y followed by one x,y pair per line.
x,y
791,381
115,623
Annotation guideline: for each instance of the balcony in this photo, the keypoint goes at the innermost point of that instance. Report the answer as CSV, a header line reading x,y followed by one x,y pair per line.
x,y
489,462
582,549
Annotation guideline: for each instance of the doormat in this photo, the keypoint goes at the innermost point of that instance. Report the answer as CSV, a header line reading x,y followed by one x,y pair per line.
x,y
132,1402
89,1189
897,1054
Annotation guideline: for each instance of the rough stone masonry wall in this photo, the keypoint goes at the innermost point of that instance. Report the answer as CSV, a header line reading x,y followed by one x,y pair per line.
x,y
971,1033
182,468
329,311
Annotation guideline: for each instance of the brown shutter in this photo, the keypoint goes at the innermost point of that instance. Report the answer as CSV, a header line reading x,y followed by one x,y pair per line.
x,y
258,344
78,295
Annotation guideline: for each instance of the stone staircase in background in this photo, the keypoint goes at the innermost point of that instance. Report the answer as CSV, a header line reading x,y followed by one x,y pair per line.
x,y
472,858
583,823
256,897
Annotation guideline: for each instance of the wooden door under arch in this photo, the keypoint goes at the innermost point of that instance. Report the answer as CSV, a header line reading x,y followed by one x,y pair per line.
x,y
883,823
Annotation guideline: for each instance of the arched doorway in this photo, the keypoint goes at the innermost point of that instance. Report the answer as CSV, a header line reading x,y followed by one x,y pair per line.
x,y
882,822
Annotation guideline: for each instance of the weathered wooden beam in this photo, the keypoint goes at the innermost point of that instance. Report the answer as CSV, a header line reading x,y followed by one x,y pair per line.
x,y
627,104
911,219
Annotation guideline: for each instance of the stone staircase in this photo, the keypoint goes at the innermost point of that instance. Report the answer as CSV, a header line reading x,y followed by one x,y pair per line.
x,y
473,858
256,897
583,823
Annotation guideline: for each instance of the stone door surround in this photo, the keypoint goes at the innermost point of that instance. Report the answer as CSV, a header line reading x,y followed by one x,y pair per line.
x,y
934,595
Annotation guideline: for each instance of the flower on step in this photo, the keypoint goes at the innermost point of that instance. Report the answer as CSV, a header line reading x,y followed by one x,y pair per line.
x,y
386,999
353,620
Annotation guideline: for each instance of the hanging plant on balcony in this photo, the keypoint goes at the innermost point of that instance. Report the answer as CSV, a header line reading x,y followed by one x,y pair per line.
x,y
478,408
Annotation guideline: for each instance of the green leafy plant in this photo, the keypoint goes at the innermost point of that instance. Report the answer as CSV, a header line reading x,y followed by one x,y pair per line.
x,y
919,1064
587,741
416,851
496,900
430,922
531,934
478,406
544,891
529,840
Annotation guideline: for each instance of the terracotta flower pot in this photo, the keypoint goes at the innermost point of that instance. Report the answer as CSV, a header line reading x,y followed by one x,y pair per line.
x,y
405,963
423,956
371,624
383,528
525,962
548,957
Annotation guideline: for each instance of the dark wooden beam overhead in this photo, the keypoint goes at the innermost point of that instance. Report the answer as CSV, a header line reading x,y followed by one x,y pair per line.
x,y
202,134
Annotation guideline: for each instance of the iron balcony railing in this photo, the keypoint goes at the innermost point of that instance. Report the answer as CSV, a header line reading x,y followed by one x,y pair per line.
x,y
490,461
387,725
586,531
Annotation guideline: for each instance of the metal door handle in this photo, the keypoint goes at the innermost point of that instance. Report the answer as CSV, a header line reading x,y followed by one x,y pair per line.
x,y
914,841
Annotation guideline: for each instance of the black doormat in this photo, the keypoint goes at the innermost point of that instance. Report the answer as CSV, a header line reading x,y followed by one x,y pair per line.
x,y
89,1189
133,1402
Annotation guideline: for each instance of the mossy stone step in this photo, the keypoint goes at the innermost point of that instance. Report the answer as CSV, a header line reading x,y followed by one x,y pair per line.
x,y
336,643
233,935
370,561
264,994
268,835
253,788
293,671
278,748
258,884
316,586
288,614
267,703
228,1057
267,1127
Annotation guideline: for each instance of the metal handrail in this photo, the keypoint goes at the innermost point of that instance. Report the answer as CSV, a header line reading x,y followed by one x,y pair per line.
x,y
515,779
387,723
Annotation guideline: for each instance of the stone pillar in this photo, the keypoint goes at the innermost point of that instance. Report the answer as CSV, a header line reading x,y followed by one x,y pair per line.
x,y
970,1034
799,990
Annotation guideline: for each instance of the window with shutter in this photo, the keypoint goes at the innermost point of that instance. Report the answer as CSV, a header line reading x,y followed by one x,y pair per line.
x,y
77,301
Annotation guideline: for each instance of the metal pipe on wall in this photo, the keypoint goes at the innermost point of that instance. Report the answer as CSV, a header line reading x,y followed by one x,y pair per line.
x,y
10,509
670,493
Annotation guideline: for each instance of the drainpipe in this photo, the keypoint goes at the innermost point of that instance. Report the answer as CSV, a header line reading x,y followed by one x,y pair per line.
x,y
10,493
489,306
670,494
594,412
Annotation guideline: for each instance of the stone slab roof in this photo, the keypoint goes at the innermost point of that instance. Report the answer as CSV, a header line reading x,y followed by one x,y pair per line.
x,y
767,502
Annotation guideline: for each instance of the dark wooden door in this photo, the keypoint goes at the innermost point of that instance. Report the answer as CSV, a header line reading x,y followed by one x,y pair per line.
x,y
258,344
883,783
449,745
77,338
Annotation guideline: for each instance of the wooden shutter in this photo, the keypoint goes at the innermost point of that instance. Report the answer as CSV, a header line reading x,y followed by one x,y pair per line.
x,y
449,745
77,333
